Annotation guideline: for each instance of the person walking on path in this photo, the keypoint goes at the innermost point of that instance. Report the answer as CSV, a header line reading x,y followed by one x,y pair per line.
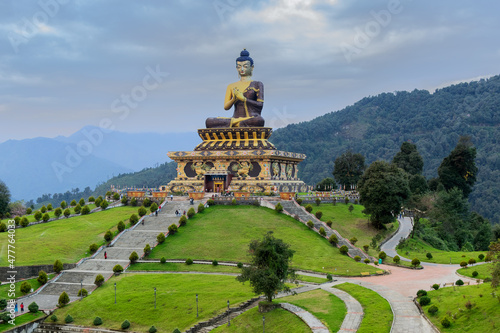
x,y
105,255
22,307
15,308
171,197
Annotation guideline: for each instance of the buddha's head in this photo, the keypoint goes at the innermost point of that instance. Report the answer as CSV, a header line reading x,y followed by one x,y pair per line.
x,y
244,64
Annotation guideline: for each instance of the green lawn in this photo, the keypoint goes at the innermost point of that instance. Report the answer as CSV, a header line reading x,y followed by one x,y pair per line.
x,y
483,317
484,271
4,289
66,239
31,217
353,224
312,279
20,320
224,233
175,297
174,267
417,248
378,314
276,321
326,307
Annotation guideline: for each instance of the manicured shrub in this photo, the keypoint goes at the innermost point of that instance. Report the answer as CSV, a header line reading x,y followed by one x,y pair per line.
x,y
147,250
322,231
49,207
24,222
118,269
63,300
172,229
124,201
317,201
424,300
353,240
33,307
234,202
83,292
53,318
189,261
357,258
421,293
481,257
63,204
152,329
85,210
142,211
160,238
146,202
201,208
133,219
445,322
215,262
310,224
366,248
278,208
474,274
429,255
334,201
91,199
329,223
93,248
154,207
99,280
396,259
72,203
459,282
120,226
351,208
344,249
463,264
472,261
163,260
133,257
299,201
68,319
346,200
329,277
104,204
318,214
133,202
43,209
433,309
333,239
25,288
77,209
67,212
38,215
58,212
116,196
29,211
309,208
42,277
98,201
176,331
488,258
3,227
108,236
382,255
367,261
58,266
210,202
17,220
435,286
415,262
239,265
125,324
97,321
182,221
45,217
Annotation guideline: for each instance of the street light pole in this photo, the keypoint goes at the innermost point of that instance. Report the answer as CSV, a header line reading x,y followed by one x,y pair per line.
x,y
81,289
155,297
115,292
228,320
263,324
196,305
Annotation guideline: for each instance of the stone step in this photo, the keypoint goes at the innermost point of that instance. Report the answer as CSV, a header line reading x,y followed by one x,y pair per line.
x,y
76,277
71,289
117,253
99,265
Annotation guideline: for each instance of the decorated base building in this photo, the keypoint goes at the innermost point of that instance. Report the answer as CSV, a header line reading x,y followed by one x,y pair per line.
x,y
235,154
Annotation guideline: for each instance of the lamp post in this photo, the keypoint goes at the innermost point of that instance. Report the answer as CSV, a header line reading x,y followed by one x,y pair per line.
x,y
228,320
115,292
155,297
196,305
263,324
81,289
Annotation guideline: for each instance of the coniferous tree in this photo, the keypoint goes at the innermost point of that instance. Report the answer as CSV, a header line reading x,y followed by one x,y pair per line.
x,y
409,159
348,168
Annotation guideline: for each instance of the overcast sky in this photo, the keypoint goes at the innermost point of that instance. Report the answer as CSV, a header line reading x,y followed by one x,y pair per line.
x,y
163,66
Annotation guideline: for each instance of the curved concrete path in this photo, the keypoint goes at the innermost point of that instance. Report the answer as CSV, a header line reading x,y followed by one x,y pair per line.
x,y
314,323
405,228
354,314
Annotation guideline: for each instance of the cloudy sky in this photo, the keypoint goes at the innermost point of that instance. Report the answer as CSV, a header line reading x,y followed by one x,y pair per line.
x,y
163,66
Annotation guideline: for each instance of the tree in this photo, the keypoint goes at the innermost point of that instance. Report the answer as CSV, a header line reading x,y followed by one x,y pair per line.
x,y
326,184
58,212
154,207
73,203
383,189
141,211
418,184
63,299
348,168
104,204
409,159
67,212
64,204
58,266
25,287
85,210
38,215
4,199
269,267
459,168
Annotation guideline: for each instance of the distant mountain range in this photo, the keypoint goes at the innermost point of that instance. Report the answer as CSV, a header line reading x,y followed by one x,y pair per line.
x,y
33,167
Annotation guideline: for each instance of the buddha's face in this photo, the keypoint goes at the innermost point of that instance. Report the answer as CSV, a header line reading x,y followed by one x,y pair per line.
x,y
244,68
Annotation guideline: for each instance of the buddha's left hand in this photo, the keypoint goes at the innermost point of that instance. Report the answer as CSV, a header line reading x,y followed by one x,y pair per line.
x,y
239,95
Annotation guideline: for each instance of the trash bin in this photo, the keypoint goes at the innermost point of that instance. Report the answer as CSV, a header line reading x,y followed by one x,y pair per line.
x,y
380,261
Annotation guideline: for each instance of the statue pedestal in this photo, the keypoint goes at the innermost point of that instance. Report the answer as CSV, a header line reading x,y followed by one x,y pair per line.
x,y
237,160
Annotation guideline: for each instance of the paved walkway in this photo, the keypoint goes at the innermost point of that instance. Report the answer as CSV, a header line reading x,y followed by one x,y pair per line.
x,y
354,314
314,323
405,228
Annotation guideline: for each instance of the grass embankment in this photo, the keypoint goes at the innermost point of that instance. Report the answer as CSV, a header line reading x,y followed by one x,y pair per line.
x,y
484,271
276,321
4,289
31,217
416,248
355,224
175,301
20,320
378,314
451,303
175,267
326,307
312,279
224,233
65,239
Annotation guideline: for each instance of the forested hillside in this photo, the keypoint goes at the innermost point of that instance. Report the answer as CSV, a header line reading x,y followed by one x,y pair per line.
x,y
376,127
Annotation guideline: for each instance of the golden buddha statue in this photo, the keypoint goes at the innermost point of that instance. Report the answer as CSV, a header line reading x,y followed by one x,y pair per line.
x,y
246,95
